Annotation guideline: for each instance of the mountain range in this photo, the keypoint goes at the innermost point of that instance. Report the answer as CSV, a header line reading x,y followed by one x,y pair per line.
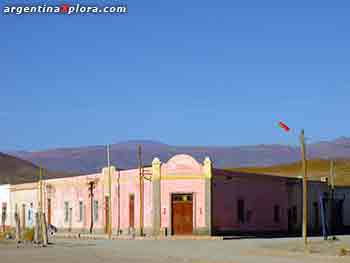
x,y
14,170
91,159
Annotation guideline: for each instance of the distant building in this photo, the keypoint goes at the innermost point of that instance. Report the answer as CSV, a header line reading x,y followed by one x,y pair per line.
x,y
295,209
24,199
5,205
247,203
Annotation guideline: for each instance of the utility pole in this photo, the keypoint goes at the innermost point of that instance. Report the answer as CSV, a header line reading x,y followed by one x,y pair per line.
x,y
141,188
110,194
332,168
304,169
41,215
91,195
118,180
38,214
40,190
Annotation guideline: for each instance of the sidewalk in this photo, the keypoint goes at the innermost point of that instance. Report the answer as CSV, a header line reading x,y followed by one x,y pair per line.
x,y
129,237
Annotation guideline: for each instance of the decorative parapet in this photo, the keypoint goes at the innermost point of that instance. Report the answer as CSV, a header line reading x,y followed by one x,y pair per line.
x,y
156,163
207,167
156,196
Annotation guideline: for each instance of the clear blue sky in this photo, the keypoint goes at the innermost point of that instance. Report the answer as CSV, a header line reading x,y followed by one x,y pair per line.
x,y
181,72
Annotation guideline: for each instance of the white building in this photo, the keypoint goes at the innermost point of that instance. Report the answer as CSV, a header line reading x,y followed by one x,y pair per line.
x,y
5,205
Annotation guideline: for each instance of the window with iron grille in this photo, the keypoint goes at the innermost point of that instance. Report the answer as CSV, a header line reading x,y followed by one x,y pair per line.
x,y
240,210
66,211
276,213
81,211
96,210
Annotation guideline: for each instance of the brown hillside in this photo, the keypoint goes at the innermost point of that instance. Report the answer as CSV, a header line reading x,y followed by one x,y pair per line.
x,y
317,168
16,171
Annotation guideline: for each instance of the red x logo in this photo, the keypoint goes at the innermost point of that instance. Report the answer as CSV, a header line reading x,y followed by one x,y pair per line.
x,y
64,8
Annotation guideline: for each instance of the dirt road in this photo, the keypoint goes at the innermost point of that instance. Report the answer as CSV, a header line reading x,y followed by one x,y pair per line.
x,y
176,251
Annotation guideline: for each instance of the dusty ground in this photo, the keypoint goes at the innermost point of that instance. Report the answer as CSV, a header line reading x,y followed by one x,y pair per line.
x,y
176,251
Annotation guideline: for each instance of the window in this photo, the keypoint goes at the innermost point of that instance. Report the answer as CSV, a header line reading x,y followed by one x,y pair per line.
x,y
66,211
240,210
95,210
276,213
30,214
81,211
316,216
182,197
131,211
249,216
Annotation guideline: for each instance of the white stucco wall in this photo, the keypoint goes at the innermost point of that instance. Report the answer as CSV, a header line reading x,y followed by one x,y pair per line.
x,y
22,196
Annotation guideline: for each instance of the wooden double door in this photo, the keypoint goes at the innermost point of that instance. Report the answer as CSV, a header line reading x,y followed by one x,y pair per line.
x,y
182,214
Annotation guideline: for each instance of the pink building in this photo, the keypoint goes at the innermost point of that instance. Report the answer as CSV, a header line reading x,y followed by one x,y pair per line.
x,y
249,203
180,196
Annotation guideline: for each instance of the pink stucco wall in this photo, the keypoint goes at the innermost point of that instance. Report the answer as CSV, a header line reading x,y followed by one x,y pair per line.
x,y
260,194
182,174
72,190
75,189
130,185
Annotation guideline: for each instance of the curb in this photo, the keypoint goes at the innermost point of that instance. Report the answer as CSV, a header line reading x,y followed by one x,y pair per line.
x,y
114,237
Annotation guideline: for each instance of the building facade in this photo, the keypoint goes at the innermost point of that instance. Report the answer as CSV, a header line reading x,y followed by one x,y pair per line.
x,y
178,197
245,203
342,209
295,209
24,198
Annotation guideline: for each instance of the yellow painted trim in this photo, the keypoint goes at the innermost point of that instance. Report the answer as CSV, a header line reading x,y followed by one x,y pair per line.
x,y
181,177
23,189
208,175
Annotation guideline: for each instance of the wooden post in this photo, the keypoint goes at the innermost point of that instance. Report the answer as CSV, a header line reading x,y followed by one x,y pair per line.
x,y
110,194
118,227
332,170
91,194
305,200
37,229
18,228
3,216
40,204
41,190
44,229
332,199
141,188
